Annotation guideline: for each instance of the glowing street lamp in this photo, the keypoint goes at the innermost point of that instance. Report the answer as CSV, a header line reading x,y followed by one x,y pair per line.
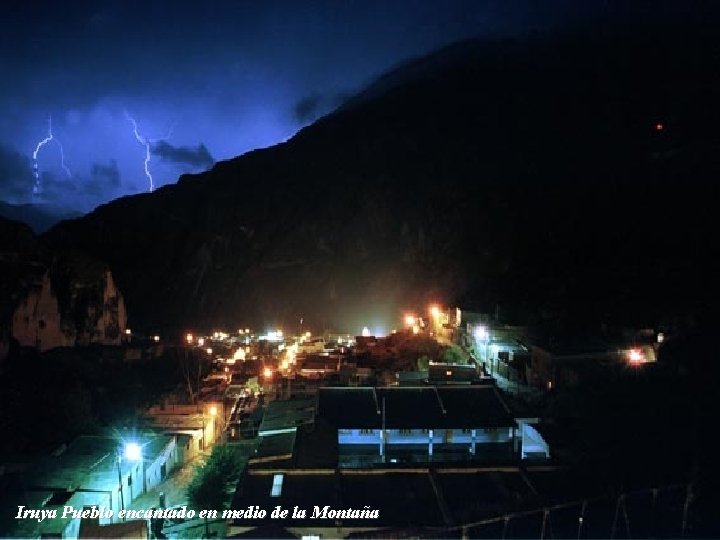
x,y
131,451
189,338
481,333
435,311
410,320
267,373
635,356
365,331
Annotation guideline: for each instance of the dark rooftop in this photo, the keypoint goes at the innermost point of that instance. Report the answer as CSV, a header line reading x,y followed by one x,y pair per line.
x,y
573,345
278,446
403,498
414,407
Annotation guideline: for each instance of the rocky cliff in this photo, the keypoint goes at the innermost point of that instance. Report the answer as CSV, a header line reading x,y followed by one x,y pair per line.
x,y
53,299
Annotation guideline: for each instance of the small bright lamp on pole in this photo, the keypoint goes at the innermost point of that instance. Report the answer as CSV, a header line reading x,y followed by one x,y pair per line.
x,y
131,451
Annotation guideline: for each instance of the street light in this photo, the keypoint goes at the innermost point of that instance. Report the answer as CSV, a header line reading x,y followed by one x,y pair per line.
x,y
132,451
435,316
481,334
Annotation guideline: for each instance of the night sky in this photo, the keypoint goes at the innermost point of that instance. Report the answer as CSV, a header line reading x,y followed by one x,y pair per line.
x,y
207,81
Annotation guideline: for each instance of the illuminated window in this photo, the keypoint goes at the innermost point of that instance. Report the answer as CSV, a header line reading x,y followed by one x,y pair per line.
x,y
277,485
405,431
366,432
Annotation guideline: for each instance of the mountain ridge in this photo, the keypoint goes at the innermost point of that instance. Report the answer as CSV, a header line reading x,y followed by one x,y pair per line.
x,y
432,191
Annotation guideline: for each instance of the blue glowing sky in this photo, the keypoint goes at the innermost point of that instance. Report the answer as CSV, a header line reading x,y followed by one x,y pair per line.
x,y
221,77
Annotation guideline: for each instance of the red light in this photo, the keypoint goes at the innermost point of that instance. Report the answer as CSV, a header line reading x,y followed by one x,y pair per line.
x,y
659,126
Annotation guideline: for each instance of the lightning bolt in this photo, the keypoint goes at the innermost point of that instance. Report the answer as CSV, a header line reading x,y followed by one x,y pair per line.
x,y
43,142
144,142
147,144
62,158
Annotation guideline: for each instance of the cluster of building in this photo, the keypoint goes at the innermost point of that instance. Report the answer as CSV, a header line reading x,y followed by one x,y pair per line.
x,y
336,427
400,450
109,472
543,361
410,442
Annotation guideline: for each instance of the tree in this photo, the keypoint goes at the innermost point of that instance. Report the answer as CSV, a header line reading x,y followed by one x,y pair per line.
x,y
253,385
209,486
454,355
423,363
206,491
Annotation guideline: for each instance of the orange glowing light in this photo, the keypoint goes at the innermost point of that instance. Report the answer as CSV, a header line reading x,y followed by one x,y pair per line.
x,y
635,356
410,320
659,126
267,373
189,338
435,311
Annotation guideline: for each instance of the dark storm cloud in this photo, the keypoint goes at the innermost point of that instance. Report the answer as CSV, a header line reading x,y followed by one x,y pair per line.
x,y
183,155
312,107
80,192
306,109
56,188
16,176
103,178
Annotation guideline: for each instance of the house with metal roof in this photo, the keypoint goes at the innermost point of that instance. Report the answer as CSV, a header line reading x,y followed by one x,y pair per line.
x,y
419,424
